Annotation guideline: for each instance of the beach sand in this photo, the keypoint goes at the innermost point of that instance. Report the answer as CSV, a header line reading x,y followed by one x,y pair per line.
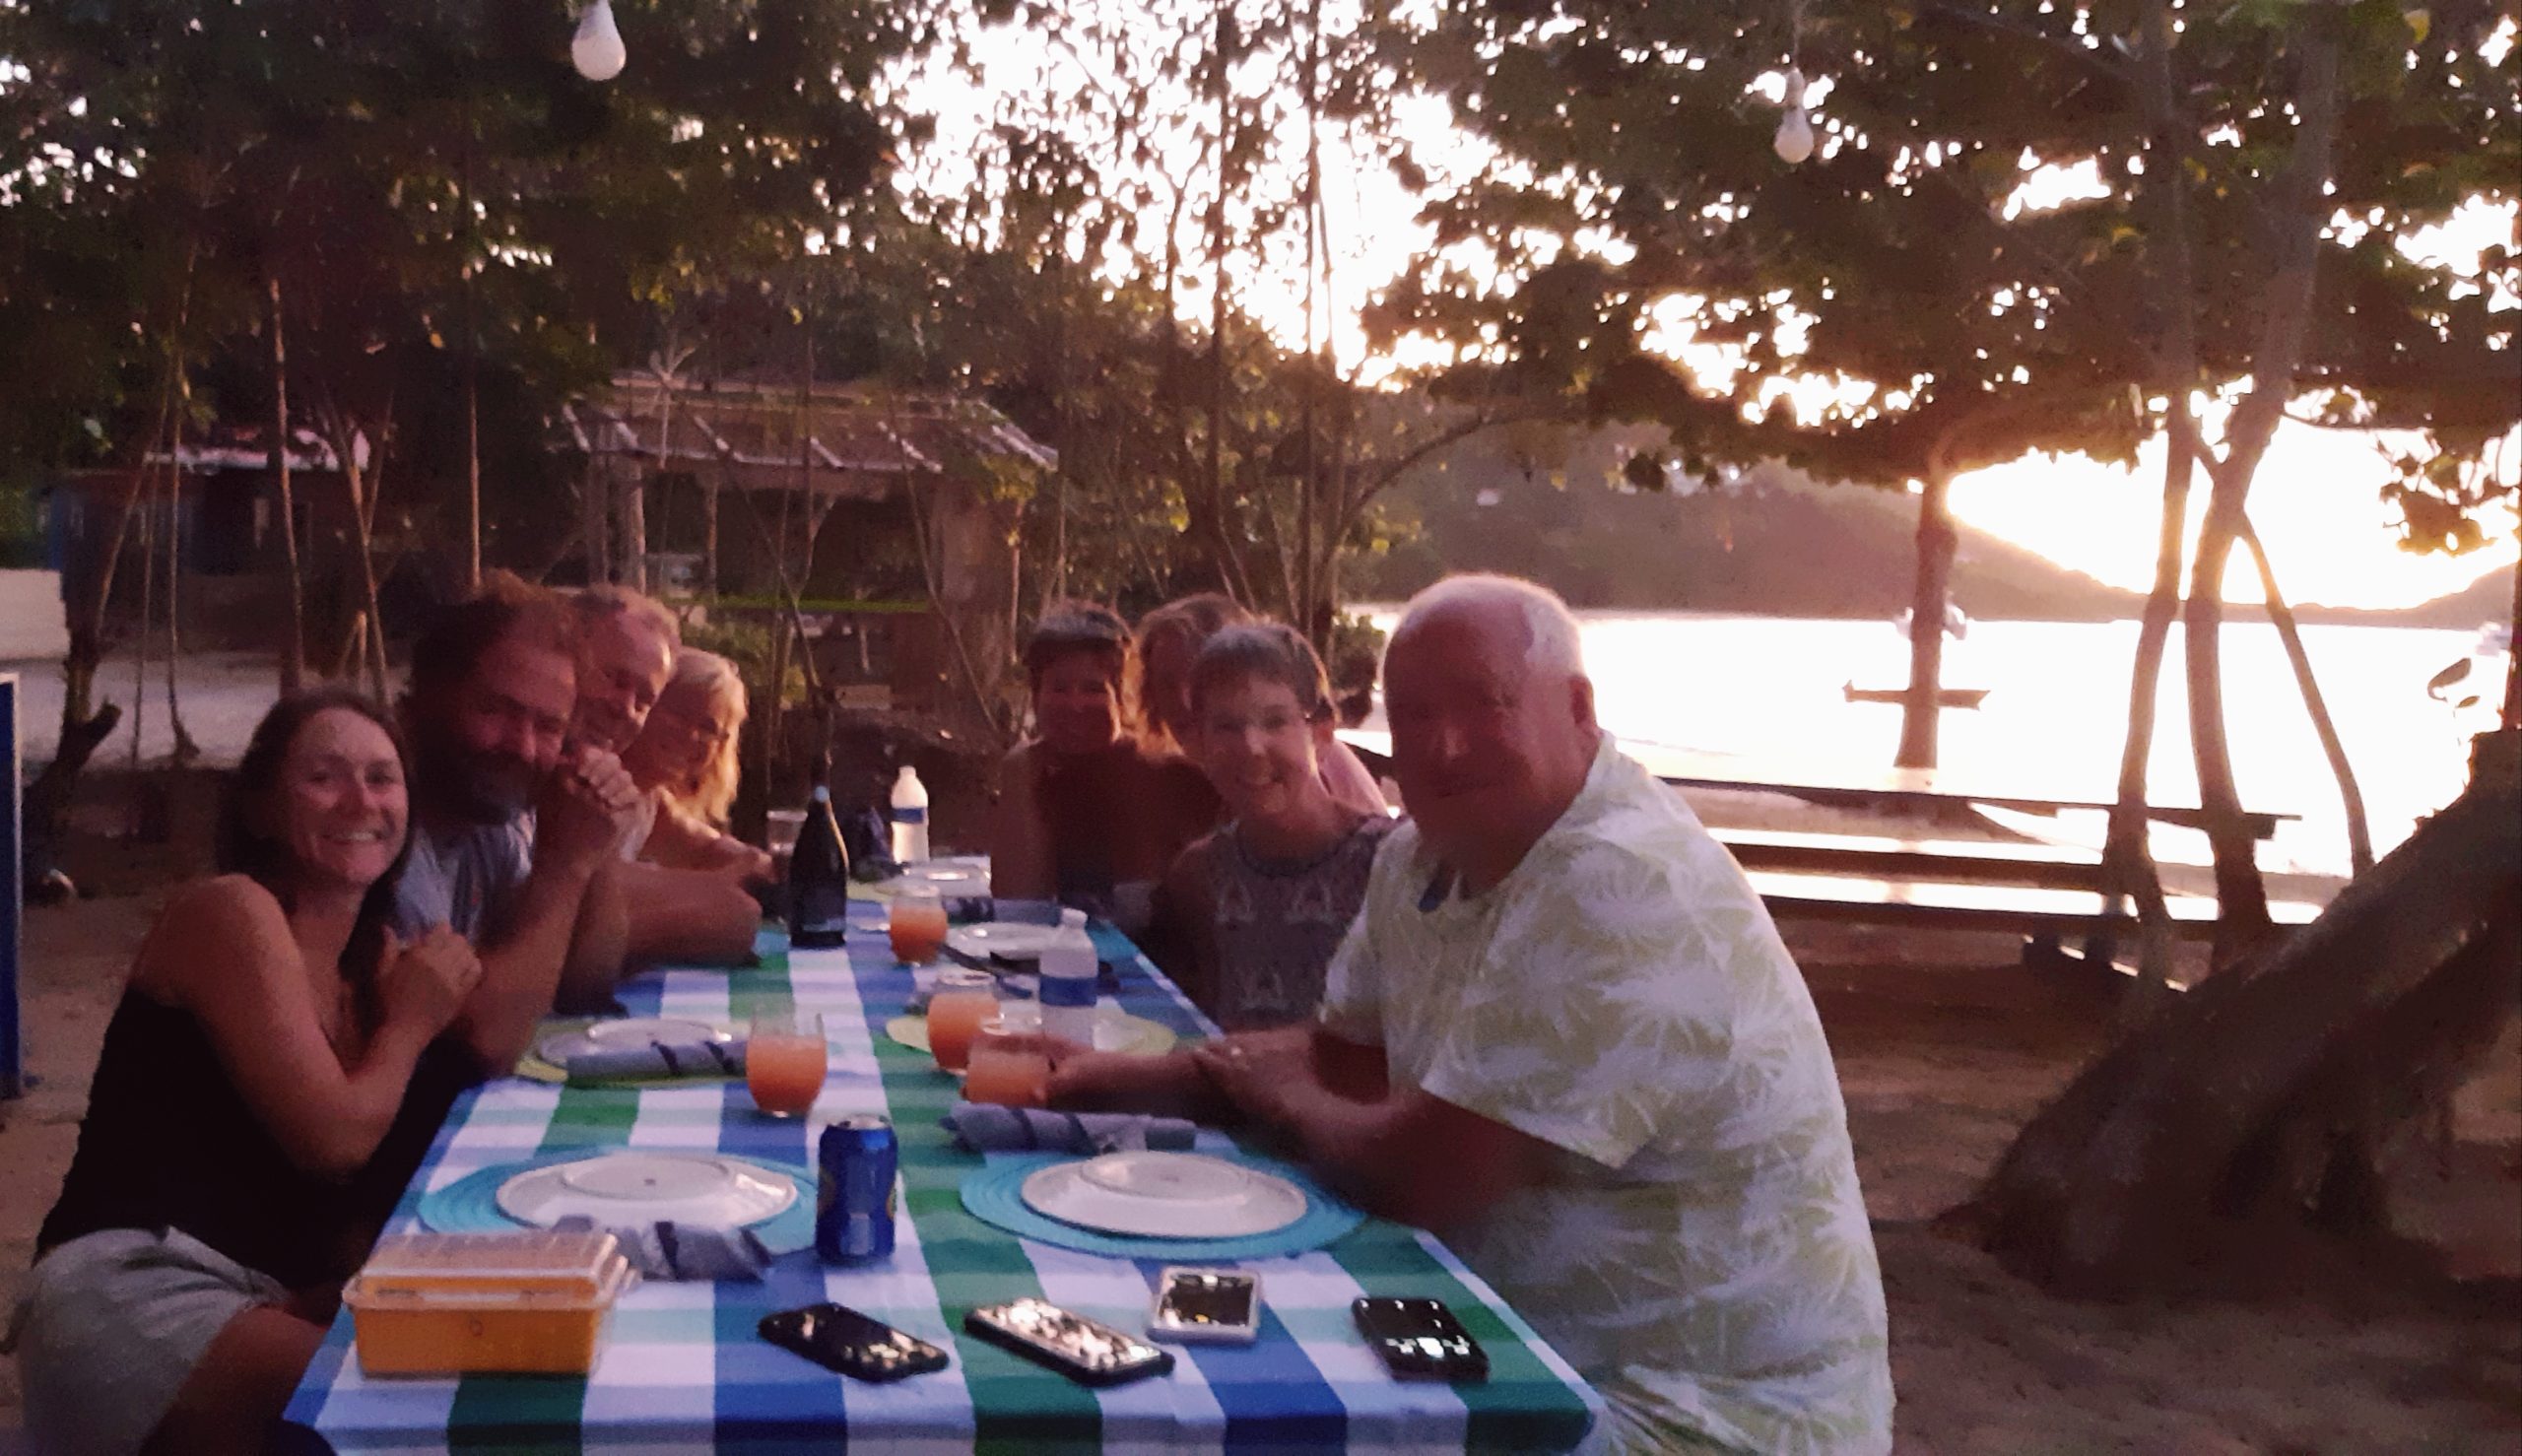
x,y
1944,1045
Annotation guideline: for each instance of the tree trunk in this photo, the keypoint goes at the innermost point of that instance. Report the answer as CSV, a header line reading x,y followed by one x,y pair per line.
x,y
635,531
1927,606
596,490
140,642
2510,718
2126,857
2359,839
360,484
2241,894
2299,213
184,750
1209,522
2227,1109
709,539
293,649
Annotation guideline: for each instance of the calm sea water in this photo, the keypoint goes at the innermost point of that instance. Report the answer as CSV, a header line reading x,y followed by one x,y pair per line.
x,y
1770,688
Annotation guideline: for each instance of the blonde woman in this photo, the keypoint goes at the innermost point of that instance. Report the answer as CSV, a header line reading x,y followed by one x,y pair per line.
x,y
684,762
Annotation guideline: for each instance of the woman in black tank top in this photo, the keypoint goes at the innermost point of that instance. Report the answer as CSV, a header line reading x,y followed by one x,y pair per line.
x,y
269,1083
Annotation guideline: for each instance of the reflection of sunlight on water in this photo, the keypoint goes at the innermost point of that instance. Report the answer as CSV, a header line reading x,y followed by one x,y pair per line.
x,y
1770,688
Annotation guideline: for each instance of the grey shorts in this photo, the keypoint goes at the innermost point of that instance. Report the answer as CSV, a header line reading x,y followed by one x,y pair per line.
x,y
112,1324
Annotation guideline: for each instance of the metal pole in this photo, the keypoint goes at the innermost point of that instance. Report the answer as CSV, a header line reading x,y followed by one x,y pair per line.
x,y
13,1063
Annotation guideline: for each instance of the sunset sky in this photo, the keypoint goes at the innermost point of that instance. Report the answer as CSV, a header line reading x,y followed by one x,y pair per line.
x,y
2316,502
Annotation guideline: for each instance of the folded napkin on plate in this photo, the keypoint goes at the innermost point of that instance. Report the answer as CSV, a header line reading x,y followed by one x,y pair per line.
x,y
693,1058
1025,912
985,1127
674,1251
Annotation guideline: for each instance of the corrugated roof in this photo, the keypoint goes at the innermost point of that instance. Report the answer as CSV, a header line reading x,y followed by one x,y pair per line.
x,y
754,424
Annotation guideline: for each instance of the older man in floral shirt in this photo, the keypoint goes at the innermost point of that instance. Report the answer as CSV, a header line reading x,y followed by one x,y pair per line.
x,y
1564,1033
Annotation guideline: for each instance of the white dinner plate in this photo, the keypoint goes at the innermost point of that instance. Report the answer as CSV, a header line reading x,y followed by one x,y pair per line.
x,y
1009,940
558,1047
1164,1195
635,1186
1133,1035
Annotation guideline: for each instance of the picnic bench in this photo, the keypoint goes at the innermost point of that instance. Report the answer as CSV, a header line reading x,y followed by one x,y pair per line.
x,y
2044,891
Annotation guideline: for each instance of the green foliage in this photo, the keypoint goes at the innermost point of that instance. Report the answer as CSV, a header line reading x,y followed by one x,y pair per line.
x,y
1636,186
405,175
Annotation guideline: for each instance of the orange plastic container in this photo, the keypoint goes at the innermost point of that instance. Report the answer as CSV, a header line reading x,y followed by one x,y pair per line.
x,y
522,1303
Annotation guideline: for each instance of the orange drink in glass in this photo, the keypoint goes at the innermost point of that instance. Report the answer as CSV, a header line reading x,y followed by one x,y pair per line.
x,y
963,999
1009,1068
916,924
785,1060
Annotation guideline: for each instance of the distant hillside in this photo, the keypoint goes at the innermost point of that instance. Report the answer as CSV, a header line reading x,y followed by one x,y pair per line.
x,y
1773,544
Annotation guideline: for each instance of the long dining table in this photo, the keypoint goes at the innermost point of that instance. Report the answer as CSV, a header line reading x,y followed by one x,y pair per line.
x,y
682,1367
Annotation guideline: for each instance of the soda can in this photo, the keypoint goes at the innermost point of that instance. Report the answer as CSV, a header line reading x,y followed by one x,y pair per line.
x,y
856,1199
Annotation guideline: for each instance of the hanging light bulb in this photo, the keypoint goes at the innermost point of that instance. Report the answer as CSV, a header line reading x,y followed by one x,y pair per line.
x,y
596,50
1794,136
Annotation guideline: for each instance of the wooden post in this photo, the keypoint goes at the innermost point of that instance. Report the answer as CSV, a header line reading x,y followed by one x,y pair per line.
x,y
1927,606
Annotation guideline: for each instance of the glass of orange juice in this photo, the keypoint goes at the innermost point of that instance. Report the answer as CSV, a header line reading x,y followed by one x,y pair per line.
x,y
916,924
963,999
784,1060
1008,1067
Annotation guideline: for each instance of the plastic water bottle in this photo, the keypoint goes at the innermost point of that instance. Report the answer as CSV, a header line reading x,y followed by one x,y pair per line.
x,y
910,818
818,879
1068,987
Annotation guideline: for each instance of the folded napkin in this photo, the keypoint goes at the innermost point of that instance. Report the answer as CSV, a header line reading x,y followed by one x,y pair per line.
x,y
687,1252
985,1127
691,1058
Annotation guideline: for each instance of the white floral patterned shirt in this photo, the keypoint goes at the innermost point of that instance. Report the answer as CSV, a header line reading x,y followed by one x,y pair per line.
x,y
1700,1251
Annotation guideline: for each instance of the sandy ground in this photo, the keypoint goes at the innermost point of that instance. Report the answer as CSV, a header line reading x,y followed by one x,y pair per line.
x,y
221,696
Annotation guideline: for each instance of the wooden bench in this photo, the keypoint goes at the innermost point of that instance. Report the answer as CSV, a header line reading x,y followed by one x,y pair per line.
x,y
2043,891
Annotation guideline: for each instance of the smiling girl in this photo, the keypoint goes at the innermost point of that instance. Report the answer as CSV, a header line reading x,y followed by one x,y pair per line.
x,y
1248,916
269,1083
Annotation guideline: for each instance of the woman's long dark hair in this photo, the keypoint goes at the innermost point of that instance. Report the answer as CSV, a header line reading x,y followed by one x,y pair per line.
x,y
246,849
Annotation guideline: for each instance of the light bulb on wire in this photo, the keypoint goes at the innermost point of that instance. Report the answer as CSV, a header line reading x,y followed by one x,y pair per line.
x,y
1794,137
596,50
1795,129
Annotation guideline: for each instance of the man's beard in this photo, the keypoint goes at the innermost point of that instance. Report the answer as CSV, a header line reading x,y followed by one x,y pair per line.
x,y
485,787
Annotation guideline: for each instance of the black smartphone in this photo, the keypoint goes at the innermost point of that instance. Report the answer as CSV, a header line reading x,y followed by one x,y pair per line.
x,y
1086,1351
1419,1339
839,1338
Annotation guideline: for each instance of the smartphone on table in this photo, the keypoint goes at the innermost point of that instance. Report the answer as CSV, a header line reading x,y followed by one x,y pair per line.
x,y
1419,1339
839,1338
1206,1306
1088,1351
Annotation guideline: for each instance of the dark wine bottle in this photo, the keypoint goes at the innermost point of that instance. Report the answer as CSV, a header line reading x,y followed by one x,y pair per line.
x,y
819,880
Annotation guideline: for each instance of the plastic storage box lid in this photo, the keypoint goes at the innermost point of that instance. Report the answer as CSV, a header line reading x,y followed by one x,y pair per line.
x,y
587,1264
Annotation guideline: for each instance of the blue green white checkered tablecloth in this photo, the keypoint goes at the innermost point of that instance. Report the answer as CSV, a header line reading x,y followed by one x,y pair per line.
x,y
682,1368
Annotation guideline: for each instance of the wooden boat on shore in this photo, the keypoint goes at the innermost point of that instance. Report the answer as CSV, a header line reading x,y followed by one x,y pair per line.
x,y
1944,696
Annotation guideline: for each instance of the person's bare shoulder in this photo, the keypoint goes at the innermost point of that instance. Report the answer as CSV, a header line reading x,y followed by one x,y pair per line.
x,y
211,927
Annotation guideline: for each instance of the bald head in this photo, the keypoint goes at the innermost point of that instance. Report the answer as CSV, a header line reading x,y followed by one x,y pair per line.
x,y
1492,719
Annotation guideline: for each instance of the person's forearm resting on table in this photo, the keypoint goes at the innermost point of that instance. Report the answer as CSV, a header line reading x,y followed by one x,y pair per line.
x,y
1395,1152
1020,845
684,916
560,944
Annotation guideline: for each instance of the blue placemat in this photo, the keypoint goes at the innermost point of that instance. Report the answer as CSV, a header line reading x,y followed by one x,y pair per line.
x,y
995,1196
470,1204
